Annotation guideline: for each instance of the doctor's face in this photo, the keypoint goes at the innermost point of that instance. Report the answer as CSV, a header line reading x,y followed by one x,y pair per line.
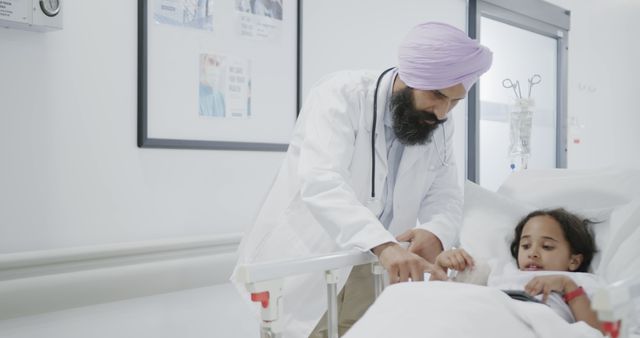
x,y
417,113
439,101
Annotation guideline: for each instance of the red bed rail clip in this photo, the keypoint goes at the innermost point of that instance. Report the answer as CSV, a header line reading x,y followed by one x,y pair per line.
x,y
611,329
262,297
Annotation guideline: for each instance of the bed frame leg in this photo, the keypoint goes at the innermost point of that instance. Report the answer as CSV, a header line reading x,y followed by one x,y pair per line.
x,y
378,278
269,295
332,301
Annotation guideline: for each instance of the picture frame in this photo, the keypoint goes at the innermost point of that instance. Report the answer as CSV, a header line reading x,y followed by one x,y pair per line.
x,y
216,74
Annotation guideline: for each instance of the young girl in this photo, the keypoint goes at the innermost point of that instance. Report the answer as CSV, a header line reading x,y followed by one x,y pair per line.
x,y
547,240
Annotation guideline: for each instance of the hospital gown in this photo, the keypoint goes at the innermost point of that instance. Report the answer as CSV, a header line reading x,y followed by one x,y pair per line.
x,y
506,276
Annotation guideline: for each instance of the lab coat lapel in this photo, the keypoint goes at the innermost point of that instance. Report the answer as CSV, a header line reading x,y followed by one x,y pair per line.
x,y
410,156
406,190
382,168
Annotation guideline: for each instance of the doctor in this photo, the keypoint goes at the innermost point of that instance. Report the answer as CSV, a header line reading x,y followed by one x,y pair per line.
x,y
370,157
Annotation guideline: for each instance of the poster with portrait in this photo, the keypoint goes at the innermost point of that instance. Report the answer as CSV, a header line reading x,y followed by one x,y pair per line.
x,y
224,87
202,85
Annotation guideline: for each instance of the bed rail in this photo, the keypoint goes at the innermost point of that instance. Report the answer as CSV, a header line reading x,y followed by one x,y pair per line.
x,y
614,305
264,282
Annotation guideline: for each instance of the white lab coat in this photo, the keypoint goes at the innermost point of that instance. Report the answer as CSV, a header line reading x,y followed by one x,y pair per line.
x,y
318,202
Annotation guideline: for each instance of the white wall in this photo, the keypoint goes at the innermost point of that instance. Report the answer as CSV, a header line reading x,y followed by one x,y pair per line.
x,y
72,176
603,82
71,173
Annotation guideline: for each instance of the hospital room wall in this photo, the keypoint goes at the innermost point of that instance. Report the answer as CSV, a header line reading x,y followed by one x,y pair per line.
x,y
603,83
71,172
74,187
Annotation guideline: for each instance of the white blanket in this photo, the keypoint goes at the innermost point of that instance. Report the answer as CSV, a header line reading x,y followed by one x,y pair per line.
x,y
456,310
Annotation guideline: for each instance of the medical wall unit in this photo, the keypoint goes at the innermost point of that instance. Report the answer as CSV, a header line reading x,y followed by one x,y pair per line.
x,y
31,15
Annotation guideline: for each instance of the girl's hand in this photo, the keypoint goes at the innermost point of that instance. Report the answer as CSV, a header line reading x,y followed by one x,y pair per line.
x,y
456,259
546,284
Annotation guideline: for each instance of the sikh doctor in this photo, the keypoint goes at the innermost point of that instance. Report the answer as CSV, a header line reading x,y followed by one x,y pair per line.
x,y
370,163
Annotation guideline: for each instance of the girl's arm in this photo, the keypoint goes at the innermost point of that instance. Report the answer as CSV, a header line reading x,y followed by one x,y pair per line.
x,y
578,301
457,259
580,305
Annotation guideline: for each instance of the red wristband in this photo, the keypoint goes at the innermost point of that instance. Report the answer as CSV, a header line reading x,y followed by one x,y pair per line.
x,y
569,296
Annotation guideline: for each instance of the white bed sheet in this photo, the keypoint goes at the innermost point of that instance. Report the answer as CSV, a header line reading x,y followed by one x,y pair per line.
x,y
457,310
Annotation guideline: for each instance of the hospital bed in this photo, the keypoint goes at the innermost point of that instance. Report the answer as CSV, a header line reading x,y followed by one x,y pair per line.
x,y
610,196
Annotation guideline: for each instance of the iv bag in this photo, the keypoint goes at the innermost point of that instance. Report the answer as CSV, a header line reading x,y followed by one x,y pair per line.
x,y
520,124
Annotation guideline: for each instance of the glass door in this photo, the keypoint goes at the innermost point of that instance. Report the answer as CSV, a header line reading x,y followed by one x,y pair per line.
x,y
517,111
517,102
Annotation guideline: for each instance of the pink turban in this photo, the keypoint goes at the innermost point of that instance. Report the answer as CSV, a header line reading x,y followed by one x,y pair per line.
x,y
436,56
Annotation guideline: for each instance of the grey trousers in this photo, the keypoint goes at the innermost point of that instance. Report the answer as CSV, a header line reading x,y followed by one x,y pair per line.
x,y
353,301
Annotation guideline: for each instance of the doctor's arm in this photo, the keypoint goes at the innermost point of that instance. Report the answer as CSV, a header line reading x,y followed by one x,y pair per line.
x,y
326,152
324,170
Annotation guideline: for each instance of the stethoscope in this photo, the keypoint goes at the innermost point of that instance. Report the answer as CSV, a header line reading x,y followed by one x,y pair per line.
x,y
443,159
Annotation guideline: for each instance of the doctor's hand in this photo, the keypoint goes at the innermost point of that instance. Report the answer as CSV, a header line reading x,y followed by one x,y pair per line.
x,y
422,242
402,265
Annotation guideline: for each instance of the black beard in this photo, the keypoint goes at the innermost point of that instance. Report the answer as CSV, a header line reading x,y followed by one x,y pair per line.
x,y
409,123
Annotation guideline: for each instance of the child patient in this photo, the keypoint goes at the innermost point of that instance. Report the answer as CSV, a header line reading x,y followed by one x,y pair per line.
x,y
546,240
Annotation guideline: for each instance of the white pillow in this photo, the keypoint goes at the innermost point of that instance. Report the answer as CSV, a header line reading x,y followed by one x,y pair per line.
x,y
489,220
594,194
620,257
572,188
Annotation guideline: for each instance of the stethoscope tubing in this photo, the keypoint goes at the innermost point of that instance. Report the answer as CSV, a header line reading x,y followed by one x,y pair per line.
x,y
373,132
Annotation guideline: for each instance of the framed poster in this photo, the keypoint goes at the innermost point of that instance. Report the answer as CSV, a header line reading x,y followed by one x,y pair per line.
x,y
217,74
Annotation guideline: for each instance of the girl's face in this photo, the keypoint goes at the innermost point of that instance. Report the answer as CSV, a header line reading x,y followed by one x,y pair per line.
x,y
543,246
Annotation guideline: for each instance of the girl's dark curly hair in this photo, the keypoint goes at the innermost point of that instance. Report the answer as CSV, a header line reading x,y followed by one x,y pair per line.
x,y
576,231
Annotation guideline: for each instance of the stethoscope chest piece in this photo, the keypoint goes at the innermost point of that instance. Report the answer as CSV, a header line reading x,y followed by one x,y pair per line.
x,y
374,204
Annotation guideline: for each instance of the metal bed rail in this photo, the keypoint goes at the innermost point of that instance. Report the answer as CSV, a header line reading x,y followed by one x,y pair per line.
x,y
264,281
613,303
